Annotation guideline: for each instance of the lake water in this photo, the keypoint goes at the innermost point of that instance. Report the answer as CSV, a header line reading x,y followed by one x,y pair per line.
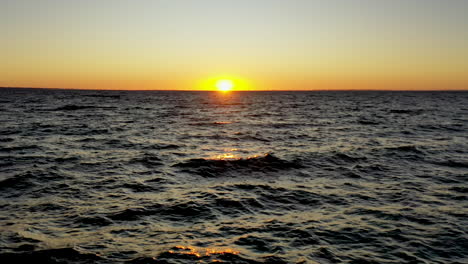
x,y
240,177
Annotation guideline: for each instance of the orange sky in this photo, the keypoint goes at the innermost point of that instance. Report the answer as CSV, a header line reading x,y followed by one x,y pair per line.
x,y
262,45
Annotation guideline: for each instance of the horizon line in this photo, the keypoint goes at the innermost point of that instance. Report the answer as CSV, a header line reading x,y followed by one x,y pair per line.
x,y
273,90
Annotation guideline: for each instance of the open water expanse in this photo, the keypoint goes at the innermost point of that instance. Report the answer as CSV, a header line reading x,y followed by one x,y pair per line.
x,y
240,177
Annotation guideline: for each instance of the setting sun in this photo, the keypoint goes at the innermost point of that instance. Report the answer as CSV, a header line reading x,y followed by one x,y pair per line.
x,y
224,85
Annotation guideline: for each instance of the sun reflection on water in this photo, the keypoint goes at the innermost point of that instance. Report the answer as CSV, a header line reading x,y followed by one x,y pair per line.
x,y
225,156
202,252
231,156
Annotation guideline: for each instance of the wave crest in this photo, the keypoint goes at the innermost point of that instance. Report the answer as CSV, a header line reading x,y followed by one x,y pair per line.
x,y
213,167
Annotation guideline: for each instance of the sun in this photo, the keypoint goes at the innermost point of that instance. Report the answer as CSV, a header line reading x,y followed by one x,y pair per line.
x,y
224,85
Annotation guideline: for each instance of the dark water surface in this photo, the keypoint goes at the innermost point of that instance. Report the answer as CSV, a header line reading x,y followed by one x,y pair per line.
x,y
243,177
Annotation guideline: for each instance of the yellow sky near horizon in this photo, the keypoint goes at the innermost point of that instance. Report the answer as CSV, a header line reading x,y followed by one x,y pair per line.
x,y
263,45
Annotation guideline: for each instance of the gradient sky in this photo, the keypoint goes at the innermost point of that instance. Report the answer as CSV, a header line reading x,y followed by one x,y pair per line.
x,y
274,44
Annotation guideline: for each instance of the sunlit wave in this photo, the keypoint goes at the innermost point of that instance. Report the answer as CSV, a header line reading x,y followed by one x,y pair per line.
x,y
232,156
202,252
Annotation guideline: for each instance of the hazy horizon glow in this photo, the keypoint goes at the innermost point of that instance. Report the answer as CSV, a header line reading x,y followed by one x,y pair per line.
x,y
262,44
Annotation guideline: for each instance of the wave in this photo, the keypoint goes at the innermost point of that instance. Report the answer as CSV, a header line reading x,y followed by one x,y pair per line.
x,y
148,160
18,182
47,207
406,111
342,157
213,167
19,148
258,244
67,159
61,255
140,187
162,146
240,137
446,127
188,254
5,140
452,163
30,179
211,207
406,148
177,211
94,221
272,198
365,121
211,124
102,96
80,107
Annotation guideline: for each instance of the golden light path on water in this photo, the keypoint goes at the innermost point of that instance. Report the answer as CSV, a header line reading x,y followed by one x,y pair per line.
x,y
203,252
199,252
230,156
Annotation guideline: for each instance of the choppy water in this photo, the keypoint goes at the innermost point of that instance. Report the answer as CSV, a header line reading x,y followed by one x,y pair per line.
x,y
246,177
